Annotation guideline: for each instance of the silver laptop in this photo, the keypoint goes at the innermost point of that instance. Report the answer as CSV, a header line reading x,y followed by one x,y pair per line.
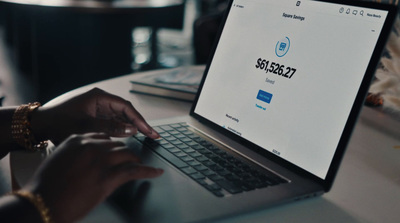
x,y
278,102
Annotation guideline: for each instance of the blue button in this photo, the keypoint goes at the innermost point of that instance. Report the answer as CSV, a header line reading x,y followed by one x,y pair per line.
x,y
264,96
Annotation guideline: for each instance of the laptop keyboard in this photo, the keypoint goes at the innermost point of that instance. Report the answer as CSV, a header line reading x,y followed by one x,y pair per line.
x,y
212,167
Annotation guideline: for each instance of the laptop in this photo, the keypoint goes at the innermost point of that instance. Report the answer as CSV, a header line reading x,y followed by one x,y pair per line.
x,y
280,96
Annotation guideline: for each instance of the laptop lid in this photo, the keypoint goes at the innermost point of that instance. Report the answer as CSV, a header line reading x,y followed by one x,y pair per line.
x,y
288,78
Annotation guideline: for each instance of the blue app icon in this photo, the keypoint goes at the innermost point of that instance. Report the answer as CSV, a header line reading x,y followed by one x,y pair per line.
x,y
282,47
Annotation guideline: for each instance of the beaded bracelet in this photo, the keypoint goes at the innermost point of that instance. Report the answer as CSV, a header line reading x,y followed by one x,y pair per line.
x,y
38,202
21,127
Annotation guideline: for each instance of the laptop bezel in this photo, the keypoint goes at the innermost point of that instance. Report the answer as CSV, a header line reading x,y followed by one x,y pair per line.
x,y
353,115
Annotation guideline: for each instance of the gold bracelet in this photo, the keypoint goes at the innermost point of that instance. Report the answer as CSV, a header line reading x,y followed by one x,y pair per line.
x,y
21,129
38,202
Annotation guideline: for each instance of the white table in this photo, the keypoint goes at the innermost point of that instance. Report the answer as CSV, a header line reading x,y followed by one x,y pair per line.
x,y
367,187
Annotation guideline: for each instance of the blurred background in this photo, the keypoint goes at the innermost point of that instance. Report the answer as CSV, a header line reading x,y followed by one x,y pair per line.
x,y
50,47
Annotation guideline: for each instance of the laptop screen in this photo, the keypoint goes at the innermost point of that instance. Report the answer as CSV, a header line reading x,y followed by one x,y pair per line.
x,y
285,75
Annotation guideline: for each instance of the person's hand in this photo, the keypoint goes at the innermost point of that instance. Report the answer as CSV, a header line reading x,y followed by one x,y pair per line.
x,y
93,111
82,172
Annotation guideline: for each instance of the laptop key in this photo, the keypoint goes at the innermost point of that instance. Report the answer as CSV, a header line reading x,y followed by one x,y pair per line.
x,y
186,140
197,176
230,187
201,158
216,168
180,154
170,157
201,182
213,187
188,170
177,125
168,146
232,177
166,128
158,129
200,167
194,154
247,187
173,150
209,163
223,172
193,163
216,178
209,172
187,159
188,150
218,193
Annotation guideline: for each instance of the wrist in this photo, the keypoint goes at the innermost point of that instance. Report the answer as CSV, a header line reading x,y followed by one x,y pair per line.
x,y
11,206
39,122
37,202
21,127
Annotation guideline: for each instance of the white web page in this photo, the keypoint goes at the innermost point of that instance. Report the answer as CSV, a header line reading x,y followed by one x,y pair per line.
x,y
285,76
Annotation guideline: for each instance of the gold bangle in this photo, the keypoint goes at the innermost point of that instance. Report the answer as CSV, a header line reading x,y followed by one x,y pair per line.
x,y
38,202
21,129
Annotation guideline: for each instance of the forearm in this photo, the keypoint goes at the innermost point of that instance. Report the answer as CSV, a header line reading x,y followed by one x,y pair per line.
x,y
18,209
6,141
43,123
